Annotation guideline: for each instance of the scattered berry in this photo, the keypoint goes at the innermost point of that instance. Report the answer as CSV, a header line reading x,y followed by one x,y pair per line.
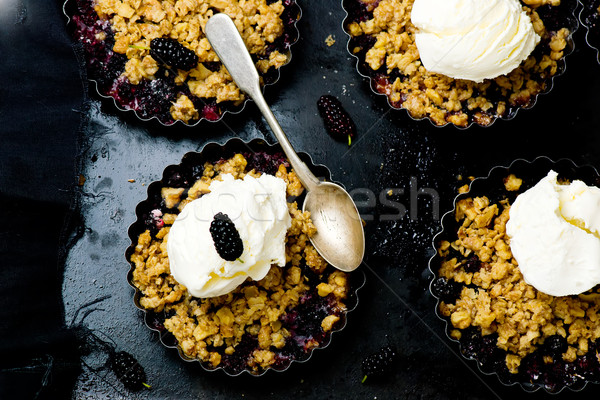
x,y
378,364
172,53
228,242
447,291
128,370
337,121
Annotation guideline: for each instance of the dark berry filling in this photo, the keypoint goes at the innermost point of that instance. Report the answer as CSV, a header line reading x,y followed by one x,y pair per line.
x,y
265,163
445,290
238,361
472,264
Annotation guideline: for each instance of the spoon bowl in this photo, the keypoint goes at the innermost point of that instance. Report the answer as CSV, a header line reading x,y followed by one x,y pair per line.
x,y
340,237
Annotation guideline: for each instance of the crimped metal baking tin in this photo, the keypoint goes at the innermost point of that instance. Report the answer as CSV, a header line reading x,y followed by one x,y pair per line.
x,y
531,172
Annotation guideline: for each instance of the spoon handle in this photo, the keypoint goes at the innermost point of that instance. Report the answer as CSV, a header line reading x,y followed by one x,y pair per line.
x,y
229,46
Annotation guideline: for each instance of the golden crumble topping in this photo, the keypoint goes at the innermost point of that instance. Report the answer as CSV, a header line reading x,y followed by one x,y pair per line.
x,y
496,298
209,329
398,73
136,22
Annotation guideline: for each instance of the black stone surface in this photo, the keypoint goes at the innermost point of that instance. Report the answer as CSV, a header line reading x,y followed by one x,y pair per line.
x,y
62,244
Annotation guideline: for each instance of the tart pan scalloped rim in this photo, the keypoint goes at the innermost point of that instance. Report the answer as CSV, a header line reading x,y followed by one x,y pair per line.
x,y
585,13
70,3
478,187
573,25
211,151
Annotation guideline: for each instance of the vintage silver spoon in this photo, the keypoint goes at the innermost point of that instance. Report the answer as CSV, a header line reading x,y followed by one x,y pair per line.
x,y
340,238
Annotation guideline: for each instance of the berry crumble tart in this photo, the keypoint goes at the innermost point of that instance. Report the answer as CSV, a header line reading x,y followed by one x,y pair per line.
x,y
488,301
259,324
384,39
152,56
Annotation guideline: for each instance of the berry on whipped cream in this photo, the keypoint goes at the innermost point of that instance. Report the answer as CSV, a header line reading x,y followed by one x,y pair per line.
x,y
258,209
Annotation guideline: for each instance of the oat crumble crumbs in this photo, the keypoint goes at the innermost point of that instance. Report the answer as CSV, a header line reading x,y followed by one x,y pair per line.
x,y
136,22
512,183
329,41
207,329
464,188
496,298
397,71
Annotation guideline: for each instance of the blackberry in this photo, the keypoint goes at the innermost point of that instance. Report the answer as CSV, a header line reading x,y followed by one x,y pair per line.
x,y
128,370
447,291
555,345
172,53
155,98
337,121
472,264
125,92
228,242
379,363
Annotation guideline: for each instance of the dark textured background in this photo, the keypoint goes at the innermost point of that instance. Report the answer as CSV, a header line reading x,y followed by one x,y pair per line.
x,y
62,244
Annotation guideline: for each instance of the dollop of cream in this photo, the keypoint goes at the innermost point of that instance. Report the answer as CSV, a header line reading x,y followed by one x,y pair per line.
x,y
257,207
472,39
554,233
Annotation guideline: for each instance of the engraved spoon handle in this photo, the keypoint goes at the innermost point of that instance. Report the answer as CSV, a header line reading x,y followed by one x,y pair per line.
x,y
229,46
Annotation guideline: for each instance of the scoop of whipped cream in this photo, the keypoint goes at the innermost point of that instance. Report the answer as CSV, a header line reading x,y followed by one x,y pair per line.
x,y
472,39
554,235
257,207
